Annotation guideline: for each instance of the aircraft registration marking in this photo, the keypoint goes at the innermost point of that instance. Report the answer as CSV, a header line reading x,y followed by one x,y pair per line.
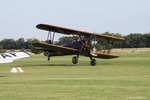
x,y
3,55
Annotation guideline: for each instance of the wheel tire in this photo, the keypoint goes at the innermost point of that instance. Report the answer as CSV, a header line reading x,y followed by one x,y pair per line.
x,y
48,59
75,60
93,62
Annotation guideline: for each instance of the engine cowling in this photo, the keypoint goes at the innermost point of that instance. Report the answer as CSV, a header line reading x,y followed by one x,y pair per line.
x,y
91,44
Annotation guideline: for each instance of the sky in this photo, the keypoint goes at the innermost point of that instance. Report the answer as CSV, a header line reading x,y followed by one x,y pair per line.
x,y
18,18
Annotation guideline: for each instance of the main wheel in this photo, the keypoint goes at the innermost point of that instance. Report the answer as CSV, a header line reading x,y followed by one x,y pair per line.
x,y
75,60
93,62
48,58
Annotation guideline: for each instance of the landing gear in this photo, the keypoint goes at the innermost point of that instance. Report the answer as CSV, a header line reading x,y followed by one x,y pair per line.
x,y
93,62
47,53
75,60
87,46
48,58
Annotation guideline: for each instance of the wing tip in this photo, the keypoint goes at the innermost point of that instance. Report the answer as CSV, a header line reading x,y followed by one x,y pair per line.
x,y
28,54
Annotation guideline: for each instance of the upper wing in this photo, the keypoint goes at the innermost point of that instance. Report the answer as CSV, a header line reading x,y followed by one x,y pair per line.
x,y
9,57
69,31
53,47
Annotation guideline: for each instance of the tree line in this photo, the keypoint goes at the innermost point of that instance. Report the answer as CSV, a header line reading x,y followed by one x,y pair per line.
x,y
133,40
20,44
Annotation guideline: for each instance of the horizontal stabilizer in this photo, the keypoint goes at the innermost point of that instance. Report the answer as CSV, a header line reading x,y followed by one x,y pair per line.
x,y
103,55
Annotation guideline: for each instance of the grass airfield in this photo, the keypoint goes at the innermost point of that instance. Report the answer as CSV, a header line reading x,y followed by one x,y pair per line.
x,y
124,78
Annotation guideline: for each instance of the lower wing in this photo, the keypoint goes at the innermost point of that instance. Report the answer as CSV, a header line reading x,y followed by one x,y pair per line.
x,y
52,47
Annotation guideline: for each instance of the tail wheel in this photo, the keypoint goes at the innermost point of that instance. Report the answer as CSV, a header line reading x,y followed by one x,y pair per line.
x,y
75,60
93,62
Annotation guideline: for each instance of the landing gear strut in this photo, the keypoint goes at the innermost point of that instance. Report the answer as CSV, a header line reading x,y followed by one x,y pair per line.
x,y
75,58
48,58
93,61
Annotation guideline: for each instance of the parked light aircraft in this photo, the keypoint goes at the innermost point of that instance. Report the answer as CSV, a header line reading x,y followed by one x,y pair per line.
x,y
9,57
85,45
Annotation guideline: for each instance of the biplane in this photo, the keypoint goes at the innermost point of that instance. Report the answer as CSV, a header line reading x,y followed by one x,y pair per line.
x,y
85,45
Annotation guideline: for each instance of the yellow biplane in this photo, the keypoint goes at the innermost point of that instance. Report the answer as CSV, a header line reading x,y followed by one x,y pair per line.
x,y
85,45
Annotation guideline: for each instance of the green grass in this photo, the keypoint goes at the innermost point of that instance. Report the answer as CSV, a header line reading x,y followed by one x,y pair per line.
x,y
124,78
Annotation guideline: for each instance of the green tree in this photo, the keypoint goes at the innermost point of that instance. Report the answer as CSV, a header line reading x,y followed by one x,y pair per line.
x,y
21,43
148,40
32,48
2,50
8,44
136,40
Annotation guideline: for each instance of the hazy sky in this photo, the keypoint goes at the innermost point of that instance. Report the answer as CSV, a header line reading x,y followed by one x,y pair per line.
x,y
18,18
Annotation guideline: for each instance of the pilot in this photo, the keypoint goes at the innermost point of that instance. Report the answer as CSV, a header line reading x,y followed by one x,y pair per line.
x,y
49,41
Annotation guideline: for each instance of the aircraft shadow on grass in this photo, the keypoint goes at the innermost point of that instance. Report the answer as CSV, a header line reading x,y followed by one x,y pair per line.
x,y
58,64
2,76
50,65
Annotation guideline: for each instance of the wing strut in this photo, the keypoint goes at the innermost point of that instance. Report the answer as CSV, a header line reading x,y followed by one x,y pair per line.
x,y
50,37
50,40
109,45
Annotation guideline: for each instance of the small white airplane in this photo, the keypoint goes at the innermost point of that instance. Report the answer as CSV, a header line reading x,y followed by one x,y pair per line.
x,y
9,57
